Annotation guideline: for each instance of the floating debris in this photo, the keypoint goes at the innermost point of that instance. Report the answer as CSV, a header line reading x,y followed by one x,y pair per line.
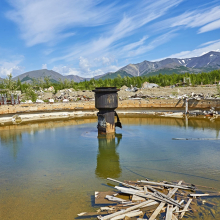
x,y
146,200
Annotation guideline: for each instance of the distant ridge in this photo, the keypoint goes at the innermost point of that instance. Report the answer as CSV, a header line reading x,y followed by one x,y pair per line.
x,y
75,78
54,76
205,63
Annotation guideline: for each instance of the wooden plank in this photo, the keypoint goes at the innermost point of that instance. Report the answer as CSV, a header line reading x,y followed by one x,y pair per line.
x,y
145,190
161,194
92,214
185,208
167,185
176,207
174,217
149,195
200,195
169,212
100,198
162,204
136,198
116,199
124,184
124,211
129,214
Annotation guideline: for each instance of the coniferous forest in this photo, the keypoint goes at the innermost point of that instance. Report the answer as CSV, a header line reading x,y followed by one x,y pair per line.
x,y
193,79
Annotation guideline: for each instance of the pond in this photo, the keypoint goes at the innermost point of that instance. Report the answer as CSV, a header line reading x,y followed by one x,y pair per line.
x,y
50,170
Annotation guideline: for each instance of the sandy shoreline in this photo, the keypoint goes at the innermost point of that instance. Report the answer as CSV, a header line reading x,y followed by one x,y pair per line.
x,y
67,115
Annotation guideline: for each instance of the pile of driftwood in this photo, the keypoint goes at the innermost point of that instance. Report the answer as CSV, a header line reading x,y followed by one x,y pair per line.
x,y
147,200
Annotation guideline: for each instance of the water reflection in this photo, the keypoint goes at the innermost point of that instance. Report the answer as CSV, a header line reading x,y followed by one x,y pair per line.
x,y
108,162
203,123
12,140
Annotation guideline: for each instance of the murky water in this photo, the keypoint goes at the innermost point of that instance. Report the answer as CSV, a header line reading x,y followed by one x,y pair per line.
x,y
51,170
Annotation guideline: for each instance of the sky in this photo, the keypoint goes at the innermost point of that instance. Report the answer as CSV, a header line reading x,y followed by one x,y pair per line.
x,y
93,37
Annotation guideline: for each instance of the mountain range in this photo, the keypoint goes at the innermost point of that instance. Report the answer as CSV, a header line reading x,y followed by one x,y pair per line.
x,y
205,63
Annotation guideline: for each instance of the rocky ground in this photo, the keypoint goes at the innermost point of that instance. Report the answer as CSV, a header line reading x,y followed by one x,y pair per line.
x,y
199,92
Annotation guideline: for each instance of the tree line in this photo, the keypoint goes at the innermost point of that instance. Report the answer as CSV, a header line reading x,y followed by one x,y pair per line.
x,y
193,79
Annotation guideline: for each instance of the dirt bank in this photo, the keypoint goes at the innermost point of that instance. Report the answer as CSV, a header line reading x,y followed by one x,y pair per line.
x,y
208,91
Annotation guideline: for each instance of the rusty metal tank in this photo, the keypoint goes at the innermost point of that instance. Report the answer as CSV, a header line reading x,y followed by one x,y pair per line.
x,y
106,97
106,101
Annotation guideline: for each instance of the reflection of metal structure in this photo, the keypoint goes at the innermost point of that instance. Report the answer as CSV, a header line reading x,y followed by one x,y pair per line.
x,y
108,163
106,101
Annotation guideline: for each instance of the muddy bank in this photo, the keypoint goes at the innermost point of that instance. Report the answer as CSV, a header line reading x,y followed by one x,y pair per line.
x,y
24,118
124,104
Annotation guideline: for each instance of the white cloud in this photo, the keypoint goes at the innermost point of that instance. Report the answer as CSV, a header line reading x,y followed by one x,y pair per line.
x,y
211,26
209,42
104,61
197,18
206,18
84,65
215,46
6,68
153,44
100,71
11,67
44,66
97,66
48,51
65,70
111,40
48,20
134,45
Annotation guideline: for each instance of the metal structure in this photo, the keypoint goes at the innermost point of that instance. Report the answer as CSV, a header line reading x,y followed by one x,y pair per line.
x,y
14,99
106,101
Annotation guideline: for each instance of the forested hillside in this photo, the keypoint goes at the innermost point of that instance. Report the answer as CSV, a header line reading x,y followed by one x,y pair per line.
x,y
162,80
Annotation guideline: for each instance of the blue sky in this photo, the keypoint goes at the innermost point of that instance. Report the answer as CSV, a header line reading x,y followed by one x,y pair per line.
x,y
88,38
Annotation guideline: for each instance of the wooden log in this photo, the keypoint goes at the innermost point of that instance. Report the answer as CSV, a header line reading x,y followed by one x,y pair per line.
x,y
167,185
185,208
169,212
124,211
162,204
